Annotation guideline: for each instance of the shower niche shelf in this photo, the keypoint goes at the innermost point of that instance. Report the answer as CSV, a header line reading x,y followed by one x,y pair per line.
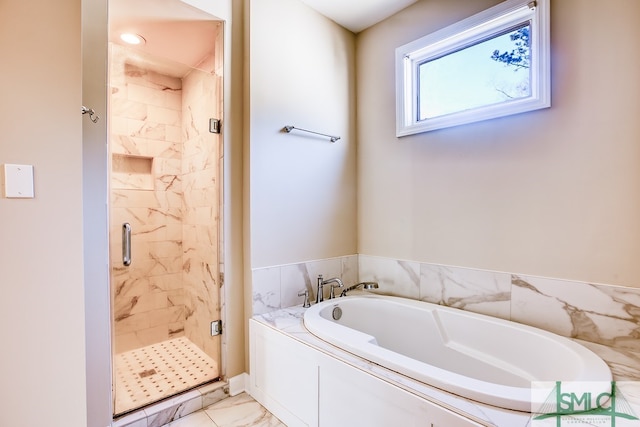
x,y
131,172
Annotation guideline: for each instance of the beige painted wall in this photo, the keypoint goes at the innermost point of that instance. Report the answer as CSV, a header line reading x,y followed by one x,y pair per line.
x,y
554,192
42,308
41,266
302,187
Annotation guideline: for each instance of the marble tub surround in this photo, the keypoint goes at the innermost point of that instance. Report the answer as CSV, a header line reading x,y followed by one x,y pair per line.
x,y
602,314
623,363
278,286
480,291
395,277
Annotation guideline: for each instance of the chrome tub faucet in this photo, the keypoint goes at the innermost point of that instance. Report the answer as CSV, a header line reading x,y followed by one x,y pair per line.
x,y
322,283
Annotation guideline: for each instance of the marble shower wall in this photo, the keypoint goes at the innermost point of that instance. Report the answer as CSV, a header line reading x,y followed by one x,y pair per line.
x,y
146,188
164,182
603,314
202,155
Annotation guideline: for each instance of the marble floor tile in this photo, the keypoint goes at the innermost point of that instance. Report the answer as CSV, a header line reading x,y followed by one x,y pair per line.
x,y
237,411
241,411
197,419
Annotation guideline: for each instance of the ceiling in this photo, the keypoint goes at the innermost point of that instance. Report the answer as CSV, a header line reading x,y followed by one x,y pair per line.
x,y
172,29
357,15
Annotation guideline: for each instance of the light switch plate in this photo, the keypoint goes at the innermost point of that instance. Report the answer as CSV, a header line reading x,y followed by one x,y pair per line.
x,y
18,181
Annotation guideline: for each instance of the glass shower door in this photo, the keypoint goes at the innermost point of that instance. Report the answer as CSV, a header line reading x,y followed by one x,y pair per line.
x,y
164,197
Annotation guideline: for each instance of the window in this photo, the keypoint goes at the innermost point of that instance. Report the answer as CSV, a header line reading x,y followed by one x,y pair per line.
x,y
493,64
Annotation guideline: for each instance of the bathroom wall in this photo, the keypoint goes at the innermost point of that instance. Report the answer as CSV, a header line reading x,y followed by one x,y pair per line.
x,y
552,193
528,218
302,187
41,125
41,273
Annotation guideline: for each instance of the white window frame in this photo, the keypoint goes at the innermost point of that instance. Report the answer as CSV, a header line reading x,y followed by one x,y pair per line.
x,y
465,33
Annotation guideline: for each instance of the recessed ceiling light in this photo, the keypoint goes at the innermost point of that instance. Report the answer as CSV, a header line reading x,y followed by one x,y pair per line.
x,y
131,38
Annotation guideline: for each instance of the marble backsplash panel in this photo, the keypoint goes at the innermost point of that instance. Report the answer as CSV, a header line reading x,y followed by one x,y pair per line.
x,y
484,292
278,286
602,314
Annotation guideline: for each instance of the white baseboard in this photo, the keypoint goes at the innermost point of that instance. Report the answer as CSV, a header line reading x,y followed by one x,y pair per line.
x,y
238,384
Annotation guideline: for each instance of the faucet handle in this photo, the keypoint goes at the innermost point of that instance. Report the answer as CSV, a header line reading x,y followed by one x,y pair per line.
x,y
320,289
305,294
332,293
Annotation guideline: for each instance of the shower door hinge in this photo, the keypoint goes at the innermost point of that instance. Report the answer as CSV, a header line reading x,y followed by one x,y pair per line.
x,y
215,125
216,328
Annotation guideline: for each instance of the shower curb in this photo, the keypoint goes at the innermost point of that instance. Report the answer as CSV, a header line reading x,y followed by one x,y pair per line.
x,y
171,409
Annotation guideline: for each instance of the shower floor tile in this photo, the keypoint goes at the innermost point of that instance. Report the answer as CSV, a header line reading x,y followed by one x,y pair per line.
x,y
152,373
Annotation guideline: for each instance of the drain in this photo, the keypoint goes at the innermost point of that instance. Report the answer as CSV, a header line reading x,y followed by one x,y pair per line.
x,y
336,313
147,373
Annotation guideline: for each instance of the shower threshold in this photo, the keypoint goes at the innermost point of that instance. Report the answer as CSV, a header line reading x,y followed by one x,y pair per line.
x,y
149,374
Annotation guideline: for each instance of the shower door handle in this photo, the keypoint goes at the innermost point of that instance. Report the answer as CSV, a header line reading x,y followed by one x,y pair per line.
x,y
126,244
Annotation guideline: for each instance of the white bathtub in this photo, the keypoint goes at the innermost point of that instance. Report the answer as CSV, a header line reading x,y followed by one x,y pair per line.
x,y
479,357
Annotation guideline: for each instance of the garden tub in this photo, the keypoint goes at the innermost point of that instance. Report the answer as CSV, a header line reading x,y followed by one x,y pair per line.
x,y
479,357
